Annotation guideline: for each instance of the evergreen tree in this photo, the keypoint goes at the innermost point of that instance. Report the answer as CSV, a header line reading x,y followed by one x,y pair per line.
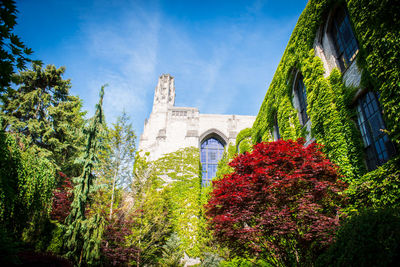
x,y
83,235
13,52
42,110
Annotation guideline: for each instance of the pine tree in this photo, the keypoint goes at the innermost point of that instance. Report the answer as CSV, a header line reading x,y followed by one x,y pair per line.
x,y
13,52
42,110
83,235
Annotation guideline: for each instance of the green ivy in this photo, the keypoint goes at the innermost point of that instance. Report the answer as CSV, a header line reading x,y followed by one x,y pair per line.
x,y
376,25
377,29
377,189
26,186
243,140
181,171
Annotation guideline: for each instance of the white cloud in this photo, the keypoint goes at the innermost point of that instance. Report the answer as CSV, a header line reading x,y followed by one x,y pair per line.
x,y
126,52
221,69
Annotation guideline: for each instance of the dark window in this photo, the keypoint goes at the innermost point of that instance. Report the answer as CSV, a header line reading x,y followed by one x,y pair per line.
x,y
343,36
302,97
276,133
211,152
376,142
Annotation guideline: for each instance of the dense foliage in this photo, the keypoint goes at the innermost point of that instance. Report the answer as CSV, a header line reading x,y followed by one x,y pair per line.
x,y
26,185
281,201
377,189
272,204
377,27
243,140
181,173
62,199
330,118
115,247
371,238
50,119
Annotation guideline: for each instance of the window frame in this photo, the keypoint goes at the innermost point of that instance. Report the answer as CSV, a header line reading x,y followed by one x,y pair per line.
x,y
206,164
341,48
275,131
370,141
301,99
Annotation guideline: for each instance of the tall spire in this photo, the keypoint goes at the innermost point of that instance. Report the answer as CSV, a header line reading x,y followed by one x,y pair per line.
x,y
164,95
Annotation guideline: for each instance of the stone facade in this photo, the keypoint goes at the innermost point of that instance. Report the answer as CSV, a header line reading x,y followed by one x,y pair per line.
x,y
325,49
170,128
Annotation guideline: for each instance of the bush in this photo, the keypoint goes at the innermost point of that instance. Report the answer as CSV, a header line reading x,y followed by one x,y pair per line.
x,y
371,238
244,262
377,189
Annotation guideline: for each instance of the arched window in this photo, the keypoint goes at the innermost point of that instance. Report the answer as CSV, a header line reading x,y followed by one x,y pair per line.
x,y
211,152
275,131
343,38
301,94
377,145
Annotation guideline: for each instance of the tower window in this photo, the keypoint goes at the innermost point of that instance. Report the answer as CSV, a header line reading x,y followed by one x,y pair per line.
x,y
302,97
343,36
377,145
211,152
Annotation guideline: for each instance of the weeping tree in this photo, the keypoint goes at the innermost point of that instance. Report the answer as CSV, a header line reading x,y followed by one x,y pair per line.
x,y
83,235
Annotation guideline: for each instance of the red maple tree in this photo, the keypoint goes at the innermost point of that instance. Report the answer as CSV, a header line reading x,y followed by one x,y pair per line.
x,y
114,246
280,203
62,200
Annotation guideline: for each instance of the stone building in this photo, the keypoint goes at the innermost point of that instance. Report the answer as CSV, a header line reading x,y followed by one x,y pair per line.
x,y
330,88
170,128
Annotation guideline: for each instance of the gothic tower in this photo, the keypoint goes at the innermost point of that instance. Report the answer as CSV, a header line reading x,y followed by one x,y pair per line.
x,y
170,128
164,95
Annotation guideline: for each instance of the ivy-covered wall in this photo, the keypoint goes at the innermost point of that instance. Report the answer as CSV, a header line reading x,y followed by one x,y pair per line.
x,y
182,170
376,26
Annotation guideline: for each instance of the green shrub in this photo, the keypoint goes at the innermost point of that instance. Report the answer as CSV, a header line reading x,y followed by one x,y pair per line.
x,y
8,248
377,189
243,262
371,238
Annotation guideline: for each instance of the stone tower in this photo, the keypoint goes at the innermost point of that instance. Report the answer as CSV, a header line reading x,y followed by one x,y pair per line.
x,y
164,95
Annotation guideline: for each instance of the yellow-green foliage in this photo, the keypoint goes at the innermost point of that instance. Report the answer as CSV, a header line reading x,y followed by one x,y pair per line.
x,y
243,141
328,98
182,170
223,167
26,185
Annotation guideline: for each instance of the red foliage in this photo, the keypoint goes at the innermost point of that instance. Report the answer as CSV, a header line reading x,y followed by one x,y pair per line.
x,y
63,197
114,246
282,198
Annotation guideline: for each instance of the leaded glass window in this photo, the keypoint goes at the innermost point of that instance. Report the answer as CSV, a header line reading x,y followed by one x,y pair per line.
x,y
377,145
302,97
343,36
211,152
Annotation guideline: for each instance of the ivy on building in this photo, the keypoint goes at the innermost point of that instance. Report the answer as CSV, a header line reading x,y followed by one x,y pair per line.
x,y
332,118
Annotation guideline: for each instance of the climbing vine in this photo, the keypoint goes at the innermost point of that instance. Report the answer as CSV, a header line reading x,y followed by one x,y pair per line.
x,y
332,117
180,171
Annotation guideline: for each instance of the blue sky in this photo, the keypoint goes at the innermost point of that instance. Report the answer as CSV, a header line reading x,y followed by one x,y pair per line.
x,y
223,54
